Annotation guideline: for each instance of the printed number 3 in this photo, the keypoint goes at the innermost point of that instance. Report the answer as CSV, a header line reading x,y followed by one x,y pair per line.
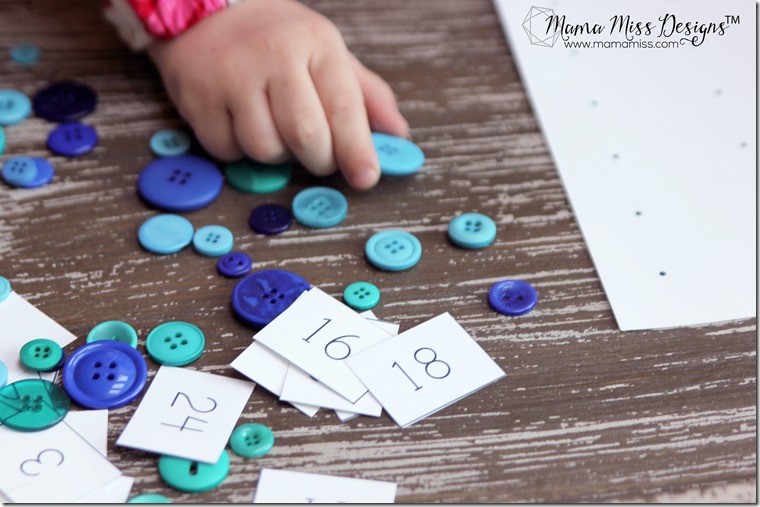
x,y
25,465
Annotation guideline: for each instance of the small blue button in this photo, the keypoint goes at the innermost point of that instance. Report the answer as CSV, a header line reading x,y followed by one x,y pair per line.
x,y
234,264
472,230
165,234
393,250
263,295
64,101
213,240
105,374
512,297
72,139
182,183
14,107
25,54
270,219
397,156
27,172
3,374
2,141
320,207
5,288
169,143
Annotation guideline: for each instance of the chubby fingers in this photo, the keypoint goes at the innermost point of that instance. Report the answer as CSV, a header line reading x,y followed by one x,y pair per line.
x,y
380,102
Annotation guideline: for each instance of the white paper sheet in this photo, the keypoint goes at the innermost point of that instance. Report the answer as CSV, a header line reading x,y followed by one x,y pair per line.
x,y
282,486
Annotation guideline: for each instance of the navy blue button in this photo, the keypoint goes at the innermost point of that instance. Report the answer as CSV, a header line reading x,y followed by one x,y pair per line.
x,y
105,374
27,172
270,219
262,296
72,139
512,297
64,101
182,183
234,264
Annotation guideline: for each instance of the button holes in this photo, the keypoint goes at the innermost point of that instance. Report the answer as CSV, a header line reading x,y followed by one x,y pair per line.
x,y
95,376
37,349
519,298
469,222
45,356
387,246
240,263
182,182
394,242
111,376
193,468
47,349
361,297
112,365
188,174
394,251
173,346
172,179
272,301
26,397
177,172
281,296
178,335
183,342
167,339
98,364
401,247
356,293
36,355
274,290
38,399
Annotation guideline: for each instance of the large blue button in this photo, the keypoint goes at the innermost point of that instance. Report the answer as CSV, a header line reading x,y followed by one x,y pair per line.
x,y
234,264
393,250
169,143
263,295
72,139
512,297
64,101
182,183
165,234
320,207
472,230
270,219
27,172
25,54
213,240
105,374
397,156
14,107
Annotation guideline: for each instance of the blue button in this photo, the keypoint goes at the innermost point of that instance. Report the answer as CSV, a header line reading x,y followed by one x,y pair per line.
x,y
512,297
27,172
263,295
234,264
320,207
72,139
3,374
182,183
270,219
165,234
169,143
105,374
5,288
472,230
2,141
213,240
25,54
64,101
393,250
397,156
14,107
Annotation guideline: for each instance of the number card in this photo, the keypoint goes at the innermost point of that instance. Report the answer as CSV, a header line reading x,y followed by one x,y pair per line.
x,y
188,414
282,486
425,369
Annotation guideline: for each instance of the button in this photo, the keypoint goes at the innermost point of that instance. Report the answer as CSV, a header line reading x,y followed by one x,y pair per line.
x,y
393,250
213,240
182,183
234,264
3,374
165,234
14,107
512,297
270,219
115,330
472,230
5,289
149,498
72,139
2,141
27,172
169,143
64,101
251,440
320,207
105,374
175,343
263,295
256,178
33,405
361,296
41,354
25,54
397,156
192,476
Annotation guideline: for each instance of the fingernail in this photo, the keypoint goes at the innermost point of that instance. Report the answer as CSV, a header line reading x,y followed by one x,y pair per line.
x,y
364,179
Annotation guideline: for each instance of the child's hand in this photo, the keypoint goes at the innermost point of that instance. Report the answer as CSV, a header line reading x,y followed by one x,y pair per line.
x,y
273,79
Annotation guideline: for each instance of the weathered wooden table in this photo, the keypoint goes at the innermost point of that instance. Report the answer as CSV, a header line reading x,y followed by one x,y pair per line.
x,y
586,413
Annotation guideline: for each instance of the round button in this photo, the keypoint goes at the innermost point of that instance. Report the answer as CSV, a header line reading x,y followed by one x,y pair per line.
x,y
361,296
25,54
256,178
3,374
270,219
213,240
320,207
27,172
33,405
5,289
393,250
234,264
512,297
2,141
263,295
252,440
165,234
169,143
182,183
472,230
149,498
192,476
115,330
105,374
14,107
397,156
41,354
72,139
64,101
175,343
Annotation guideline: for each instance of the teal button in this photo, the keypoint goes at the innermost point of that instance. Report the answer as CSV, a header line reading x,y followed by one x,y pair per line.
x,y
393,250
3,374
165,234
361,296
115,330
252,440
5,289
25,54
192,476
472,230
320,207
397,156
175,343
170,143
254,177
213,240
2,141
41,354
149,498
33,405
14,107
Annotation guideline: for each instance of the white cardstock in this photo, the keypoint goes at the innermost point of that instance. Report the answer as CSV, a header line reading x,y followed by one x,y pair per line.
x,y
282,486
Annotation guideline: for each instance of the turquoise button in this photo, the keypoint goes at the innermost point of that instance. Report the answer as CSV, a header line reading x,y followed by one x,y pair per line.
x,y
5,289
149,498
393,250
3,374
472,230
41,354
2,141
320,207
14,107
256,178
252,440
25,54
115,330
192,476
165,234
175,343
33,405
397,156
169,143
361,296
213,240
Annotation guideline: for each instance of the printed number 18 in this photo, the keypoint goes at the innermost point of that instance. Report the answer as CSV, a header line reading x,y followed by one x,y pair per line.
x,y
428,368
